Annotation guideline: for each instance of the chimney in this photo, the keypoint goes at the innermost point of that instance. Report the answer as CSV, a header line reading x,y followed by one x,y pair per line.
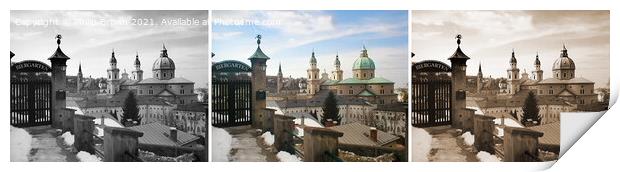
x,y
329,123
173,134
373,134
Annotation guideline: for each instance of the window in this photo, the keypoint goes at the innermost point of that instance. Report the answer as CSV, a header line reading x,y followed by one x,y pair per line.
x,y
182,91
139,91
150,91
350,91
582,91
550,91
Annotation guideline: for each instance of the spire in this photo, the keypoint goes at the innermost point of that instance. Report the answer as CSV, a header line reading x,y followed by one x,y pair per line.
x,y
513,59
258,54
164,51
258,37
58,54
58,37
564,51
337,61
280,68
312,58
113,58
364,52
137,61
458,39
80,68
480,67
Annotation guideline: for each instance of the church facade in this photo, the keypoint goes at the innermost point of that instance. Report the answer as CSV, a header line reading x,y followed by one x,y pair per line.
x,y
163,84
364,84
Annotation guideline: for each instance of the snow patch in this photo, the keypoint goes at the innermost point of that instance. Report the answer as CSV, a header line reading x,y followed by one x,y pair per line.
x,y
68,138
507,122
421,144
268,138
468,138
287,157
487,157
108,122
87,157
21,143
222,144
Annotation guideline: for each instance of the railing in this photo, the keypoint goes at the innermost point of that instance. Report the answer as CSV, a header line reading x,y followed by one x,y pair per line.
x,y
334,158
529,157
297,144
134,158
498,143
97,145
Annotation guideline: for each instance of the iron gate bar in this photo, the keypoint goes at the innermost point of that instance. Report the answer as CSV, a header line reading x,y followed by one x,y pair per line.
x,y
232,103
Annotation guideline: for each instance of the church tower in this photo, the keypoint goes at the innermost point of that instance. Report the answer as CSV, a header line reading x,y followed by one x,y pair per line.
x,y
137,73
364,66
337,73
280,79
538,73
313,76
79,79
479,79
513,75
113,80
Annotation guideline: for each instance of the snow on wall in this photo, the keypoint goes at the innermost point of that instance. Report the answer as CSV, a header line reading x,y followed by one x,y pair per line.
x,y
268,138
87,157
68,138
421,144
222,144
287,157
487,157
21,142
468,138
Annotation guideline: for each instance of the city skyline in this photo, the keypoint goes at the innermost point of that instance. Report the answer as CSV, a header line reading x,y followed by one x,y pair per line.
x,y
89,37
490,36
290,37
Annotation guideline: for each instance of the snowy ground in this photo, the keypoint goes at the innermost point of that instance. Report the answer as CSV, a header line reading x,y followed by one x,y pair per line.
x,y
246,147
47,146
287,157
468,138
446,146
222,143
421,145
20,144
487,157
268,138
87,157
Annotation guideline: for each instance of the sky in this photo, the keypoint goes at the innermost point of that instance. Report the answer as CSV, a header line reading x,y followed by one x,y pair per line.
x,y
289,37
88,37
490,36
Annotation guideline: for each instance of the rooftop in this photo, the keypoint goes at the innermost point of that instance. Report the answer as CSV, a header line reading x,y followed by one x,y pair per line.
x,y
358,134
158,134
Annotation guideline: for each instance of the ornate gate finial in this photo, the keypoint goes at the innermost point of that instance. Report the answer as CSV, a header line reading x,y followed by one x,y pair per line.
x,y
458,39
58,37
258,37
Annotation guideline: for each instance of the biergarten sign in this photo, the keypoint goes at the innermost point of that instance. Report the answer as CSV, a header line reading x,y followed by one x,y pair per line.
x,y
431,66
231,66
30,66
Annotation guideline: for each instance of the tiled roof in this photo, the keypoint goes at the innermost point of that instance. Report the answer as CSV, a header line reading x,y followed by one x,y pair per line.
x,y
551,134
375,80
570,81
118,100
318,99
366,93
193,107
518,101
176,80
393,107
158,134
358,134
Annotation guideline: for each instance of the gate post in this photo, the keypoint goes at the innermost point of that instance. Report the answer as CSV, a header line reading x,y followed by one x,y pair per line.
x,y
259,83
266,119
318,142
59,80
282,126
83,139
120,144
459,69
518,141
483,133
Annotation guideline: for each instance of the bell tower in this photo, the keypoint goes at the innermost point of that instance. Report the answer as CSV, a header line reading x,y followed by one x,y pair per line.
x,y
113,78
137,73
538,73
337,73
513,75
313,76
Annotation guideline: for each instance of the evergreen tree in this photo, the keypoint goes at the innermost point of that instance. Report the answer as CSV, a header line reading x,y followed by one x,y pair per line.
x,y
531,114
330,109
130,109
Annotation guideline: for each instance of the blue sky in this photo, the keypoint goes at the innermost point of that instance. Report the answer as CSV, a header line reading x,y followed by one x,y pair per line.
x,y
92,43
288,37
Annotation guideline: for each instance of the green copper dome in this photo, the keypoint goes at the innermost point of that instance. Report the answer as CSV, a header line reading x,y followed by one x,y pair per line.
x,y
363,62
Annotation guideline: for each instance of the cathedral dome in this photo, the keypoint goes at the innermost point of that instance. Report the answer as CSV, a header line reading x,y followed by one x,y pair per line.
x,y
163,62
564,62
363,62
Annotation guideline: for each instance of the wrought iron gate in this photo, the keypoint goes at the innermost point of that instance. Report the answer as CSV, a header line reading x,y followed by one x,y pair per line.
x,y
431,94
31,94
232,94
